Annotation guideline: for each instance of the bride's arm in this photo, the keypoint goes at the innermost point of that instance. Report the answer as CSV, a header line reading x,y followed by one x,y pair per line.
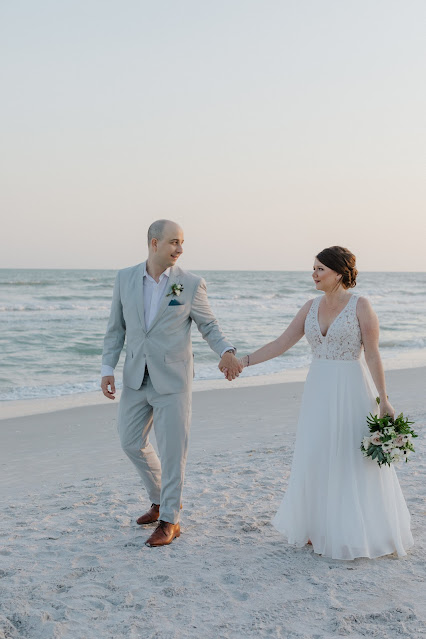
x,y
289,338
369,324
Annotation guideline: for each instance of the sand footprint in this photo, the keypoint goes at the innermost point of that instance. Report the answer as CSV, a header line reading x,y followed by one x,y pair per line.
x,y
159,579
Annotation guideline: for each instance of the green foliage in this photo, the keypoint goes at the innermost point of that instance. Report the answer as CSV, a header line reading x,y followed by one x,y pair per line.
x,y
387,430
400,425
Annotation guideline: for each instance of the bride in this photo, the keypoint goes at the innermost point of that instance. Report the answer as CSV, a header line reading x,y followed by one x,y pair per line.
x,y
342,503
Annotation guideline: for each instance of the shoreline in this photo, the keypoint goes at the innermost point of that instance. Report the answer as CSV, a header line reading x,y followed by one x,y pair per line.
x,y
11,409
66,443
24,407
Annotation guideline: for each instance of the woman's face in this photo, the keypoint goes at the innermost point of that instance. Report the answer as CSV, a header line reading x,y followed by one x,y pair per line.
x,y
325,278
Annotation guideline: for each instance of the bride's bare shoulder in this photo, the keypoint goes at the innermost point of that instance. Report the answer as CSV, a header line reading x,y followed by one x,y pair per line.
x,y
364,308
304,310
363,302
300,317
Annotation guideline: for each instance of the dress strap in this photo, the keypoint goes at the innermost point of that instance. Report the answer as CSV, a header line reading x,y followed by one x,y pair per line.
x,y
314,306
352,303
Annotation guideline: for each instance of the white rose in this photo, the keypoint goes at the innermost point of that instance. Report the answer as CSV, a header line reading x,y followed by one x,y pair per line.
x,y
376,438
366,443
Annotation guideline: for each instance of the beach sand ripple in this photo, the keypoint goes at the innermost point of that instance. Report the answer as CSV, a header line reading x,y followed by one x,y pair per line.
x,y
74,564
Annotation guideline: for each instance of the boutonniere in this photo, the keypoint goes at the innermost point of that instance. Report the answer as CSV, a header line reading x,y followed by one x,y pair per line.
x,y
176,289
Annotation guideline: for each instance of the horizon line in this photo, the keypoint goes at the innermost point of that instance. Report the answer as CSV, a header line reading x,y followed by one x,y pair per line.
x,y
51,268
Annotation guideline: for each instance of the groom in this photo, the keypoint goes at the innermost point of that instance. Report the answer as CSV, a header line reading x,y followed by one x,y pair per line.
x,y
154,304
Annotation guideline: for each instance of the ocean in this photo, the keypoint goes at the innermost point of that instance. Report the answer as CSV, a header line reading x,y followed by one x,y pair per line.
x,y
53,322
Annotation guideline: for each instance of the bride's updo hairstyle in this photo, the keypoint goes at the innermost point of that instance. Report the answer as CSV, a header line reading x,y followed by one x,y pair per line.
x,y
342,261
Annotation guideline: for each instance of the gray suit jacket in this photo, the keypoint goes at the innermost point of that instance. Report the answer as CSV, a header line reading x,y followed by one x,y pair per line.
x,y
166,347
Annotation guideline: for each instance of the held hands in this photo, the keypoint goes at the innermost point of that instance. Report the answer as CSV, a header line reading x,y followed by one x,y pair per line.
x,y
108,381
230,366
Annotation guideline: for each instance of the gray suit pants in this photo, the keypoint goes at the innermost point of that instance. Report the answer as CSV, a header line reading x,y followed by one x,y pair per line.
x,y
170,415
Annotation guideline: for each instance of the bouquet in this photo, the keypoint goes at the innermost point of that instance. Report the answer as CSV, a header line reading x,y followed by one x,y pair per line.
x,y
390,439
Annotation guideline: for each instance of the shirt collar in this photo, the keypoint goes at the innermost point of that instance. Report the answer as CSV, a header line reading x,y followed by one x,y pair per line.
x,y
165,273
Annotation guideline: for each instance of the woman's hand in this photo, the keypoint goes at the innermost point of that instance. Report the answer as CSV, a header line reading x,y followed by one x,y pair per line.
x,y
386,408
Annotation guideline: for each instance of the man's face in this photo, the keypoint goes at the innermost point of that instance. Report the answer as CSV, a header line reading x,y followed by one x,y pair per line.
x,y
168,250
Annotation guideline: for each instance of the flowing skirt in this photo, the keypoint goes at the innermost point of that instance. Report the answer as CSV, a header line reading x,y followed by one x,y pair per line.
x,y
343,502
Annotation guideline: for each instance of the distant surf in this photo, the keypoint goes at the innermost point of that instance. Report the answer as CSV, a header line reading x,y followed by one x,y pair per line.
x,y
52,324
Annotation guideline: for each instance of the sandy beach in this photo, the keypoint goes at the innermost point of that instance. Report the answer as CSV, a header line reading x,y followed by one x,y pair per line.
x,y
73,562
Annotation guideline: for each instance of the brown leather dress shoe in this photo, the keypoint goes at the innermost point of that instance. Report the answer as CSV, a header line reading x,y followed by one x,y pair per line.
x,y
163,534
150,516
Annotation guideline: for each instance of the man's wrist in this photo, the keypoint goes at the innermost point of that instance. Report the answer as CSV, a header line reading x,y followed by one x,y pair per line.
x,y
107,371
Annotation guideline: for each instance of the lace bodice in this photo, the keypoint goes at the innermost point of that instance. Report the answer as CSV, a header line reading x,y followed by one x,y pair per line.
x,y
343,339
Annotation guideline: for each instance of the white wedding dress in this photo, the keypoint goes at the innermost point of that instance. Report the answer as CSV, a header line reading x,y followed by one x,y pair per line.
x,y
343,502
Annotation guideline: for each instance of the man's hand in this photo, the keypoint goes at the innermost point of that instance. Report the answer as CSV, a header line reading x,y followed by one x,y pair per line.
x,y
230,366
105,383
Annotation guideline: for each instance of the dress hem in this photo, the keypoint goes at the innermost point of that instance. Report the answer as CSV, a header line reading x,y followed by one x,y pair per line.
x,y
385,553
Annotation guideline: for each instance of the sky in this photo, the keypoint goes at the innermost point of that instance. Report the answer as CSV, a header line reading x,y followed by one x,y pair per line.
x,y
268,129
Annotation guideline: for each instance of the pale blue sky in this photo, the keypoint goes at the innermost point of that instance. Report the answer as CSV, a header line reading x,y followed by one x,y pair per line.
x,y
268,129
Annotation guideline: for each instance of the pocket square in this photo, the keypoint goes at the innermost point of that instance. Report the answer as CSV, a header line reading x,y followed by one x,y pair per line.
x,y
174,302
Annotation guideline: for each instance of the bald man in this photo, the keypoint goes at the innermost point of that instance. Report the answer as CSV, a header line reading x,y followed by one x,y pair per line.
x,y
154,304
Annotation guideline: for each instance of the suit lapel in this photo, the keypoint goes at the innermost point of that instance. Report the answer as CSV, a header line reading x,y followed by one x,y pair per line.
x,y
165,299
139,294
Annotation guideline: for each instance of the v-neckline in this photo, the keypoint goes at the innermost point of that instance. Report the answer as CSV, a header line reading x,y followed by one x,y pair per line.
x,y
337,316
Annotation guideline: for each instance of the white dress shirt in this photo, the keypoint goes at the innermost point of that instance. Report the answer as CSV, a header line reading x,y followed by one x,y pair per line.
x,y
152,295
